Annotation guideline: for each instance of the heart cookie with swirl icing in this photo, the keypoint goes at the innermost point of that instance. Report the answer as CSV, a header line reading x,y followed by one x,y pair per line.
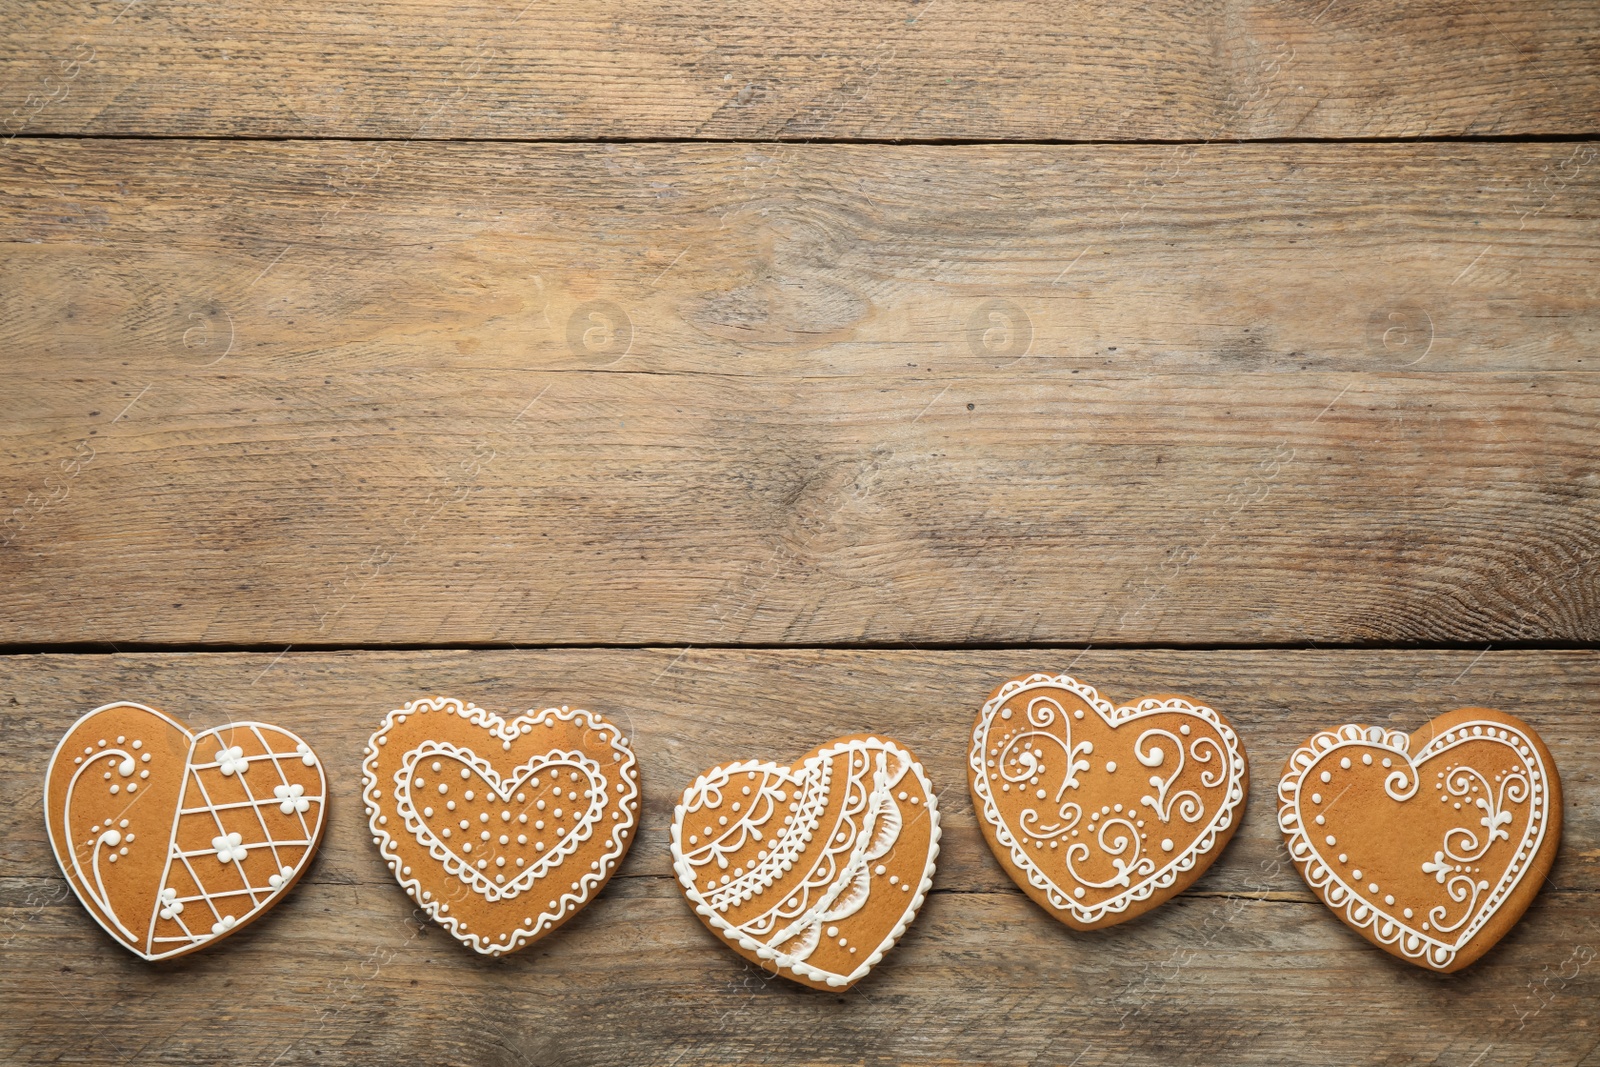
x,y
1429,845
1098,812
814,869
500,829
174,840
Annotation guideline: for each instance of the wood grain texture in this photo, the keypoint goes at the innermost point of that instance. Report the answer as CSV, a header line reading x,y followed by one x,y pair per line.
x,y
310,393
1244,968
748,70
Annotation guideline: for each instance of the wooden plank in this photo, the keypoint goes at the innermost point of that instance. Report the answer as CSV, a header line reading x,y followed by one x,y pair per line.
x,y
1246,966
758,70
715,395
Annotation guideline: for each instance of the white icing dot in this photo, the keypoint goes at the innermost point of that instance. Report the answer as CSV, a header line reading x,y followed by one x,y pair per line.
x,y
138,744
1356,874
1331,840
470,794
1366,758
1078,892
465,773
437,766
1111,766
1344,763
879,869
1389,899
427,813
1326,776
1166,844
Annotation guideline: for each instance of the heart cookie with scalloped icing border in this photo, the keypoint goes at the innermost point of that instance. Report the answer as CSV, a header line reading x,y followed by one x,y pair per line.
x,y
812,870
500,829
174,840
1098,812
1430,845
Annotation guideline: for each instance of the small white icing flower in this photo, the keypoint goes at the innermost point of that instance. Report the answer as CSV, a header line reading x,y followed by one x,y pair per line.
x,y
293,797
231,760
1436,867
307,757
170,904
277,881
230,848
222,925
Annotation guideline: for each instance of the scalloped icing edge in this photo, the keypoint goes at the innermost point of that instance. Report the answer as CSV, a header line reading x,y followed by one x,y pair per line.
x,y
765,952
1303,852
506,730
1113,717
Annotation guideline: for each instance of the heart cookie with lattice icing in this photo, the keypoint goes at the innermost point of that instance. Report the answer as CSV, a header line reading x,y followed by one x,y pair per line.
x,y
1099,812
1430,845
174,840
812,869
501,829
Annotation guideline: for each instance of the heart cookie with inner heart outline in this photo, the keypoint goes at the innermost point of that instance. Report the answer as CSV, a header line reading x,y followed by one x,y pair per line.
x,y
502,830
1100,813
1429,845
173,840
812,869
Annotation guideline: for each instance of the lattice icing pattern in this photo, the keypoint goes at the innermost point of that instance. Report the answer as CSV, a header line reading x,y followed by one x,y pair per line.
x,y
172,840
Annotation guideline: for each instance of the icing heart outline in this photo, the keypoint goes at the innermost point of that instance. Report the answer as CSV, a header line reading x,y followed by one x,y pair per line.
x,y
229,847
568,902
530,768
813,780
1398,934
1162,877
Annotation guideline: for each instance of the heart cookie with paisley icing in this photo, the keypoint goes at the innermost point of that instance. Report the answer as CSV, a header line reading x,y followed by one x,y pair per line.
x,y
500,829
1430,845
174,840
813,869
1100,813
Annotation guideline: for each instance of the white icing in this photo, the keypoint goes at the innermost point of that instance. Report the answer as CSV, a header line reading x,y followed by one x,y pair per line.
x,y
1118,835
438,757
1437,941
835,885
230,844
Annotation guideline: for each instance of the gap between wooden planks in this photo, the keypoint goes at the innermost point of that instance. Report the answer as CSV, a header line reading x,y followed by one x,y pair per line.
x,y
316,393
760,70
1246,966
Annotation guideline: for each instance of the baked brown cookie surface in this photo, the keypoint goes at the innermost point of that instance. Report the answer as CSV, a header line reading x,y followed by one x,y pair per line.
x,y
1432,844
174,840
500,829
1099,812
813,869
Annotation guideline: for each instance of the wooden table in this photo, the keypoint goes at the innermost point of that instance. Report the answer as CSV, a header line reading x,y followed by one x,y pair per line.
x,y
758,373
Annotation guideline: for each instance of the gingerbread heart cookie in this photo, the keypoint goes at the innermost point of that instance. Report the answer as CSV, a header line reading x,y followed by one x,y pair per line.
x,y
501,829
1098,812
174,840
1430,845
812,869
